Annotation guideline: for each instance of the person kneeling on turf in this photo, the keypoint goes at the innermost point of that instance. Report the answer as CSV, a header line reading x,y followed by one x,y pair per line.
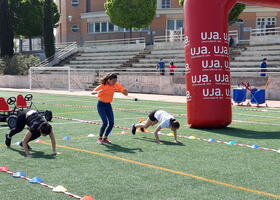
x,y
165,120
37,125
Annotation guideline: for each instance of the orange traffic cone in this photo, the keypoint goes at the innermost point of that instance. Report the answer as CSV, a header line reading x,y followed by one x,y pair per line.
x,y
87,197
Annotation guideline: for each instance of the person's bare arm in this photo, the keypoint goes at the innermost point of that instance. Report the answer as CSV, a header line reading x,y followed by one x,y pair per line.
x,y
94,92
125,92
97,90
24,143
156,135
53,143
175,137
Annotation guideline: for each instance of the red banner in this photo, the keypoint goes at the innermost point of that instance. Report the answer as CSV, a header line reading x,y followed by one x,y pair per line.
x,y
207,63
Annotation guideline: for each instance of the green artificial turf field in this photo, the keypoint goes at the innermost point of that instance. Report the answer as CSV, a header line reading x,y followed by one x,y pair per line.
x,y
135,167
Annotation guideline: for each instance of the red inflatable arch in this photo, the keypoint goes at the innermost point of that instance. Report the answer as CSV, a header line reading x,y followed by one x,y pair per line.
x,y
207,60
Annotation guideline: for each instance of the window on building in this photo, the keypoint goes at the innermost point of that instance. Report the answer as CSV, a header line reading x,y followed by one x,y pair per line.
x,y
171,24
175,24
88,6
74,3
165,3
105,27
111,27
75,28
120,29
90,27
179,24
266,22
97,27
145,28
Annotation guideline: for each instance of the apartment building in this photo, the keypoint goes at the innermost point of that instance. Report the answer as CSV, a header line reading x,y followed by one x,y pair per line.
x,y
85,20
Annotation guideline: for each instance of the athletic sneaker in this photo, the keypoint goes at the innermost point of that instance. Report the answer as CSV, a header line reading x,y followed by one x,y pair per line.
x,y
99,141
29,148
133,129
8,140
106,140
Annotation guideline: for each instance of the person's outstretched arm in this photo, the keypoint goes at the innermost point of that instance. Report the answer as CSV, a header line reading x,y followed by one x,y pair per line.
x,y
121,89
97,89
175,137
125,92
53,143
156,135
24,143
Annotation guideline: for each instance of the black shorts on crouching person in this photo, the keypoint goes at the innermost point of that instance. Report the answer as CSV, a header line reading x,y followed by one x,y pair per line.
x,y
152,116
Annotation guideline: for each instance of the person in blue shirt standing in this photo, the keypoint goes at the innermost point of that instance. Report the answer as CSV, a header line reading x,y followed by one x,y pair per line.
x,y
263,67
161,66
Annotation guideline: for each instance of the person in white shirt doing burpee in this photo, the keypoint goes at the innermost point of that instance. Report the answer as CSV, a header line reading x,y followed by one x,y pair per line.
x,y
164,119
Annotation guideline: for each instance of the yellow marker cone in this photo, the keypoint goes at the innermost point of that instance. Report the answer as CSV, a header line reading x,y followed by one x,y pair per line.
x,y
192,137
141,119
59,188
171,134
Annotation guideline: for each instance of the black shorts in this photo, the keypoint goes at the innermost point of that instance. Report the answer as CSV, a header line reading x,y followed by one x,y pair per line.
x,y
152,115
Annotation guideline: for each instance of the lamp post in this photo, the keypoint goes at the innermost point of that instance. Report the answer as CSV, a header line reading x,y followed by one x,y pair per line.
x,y
70,17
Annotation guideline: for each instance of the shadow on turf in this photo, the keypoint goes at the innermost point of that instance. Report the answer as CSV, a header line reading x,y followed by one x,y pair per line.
x,y
4,126
117,148
35,154
163,141
245,133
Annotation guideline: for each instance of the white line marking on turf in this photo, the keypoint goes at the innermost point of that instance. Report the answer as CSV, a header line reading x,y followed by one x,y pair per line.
x,y
257,123
262,116
97,120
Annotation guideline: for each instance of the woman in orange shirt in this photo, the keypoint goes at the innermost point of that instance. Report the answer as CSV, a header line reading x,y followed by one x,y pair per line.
x,y
108,86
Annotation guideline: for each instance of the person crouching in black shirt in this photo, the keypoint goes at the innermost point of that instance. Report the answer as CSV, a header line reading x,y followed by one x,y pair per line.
x,y
37,126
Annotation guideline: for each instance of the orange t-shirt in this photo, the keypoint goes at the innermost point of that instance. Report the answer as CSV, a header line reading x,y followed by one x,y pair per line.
x,y
107,91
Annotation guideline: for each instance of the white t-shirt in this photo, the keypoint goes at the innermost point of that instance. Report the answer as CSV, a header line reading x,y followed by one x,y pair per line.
x,y
163,118
30,112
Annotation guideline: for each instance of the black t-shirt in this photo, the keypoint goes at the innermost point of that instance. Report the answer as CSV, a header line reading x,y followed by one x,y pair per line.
x,y
33,121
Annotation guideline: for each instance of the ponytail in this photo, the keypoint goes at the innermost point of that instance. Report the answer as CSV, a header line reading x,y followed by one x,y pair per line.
x,y
174,123
107,77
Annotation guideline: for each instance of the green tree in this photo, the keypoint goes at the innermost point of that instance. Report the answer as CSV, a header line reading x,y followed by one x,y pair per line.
x,y
48,26
7,28
131,13
235,12
24,19
29,24
233,15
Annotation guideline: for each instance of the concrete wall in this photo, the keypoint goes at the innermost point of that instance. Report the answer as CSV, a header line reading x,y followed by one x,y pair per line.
x,y
273,89
21,82
120,47
154,84
265,39
151,84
